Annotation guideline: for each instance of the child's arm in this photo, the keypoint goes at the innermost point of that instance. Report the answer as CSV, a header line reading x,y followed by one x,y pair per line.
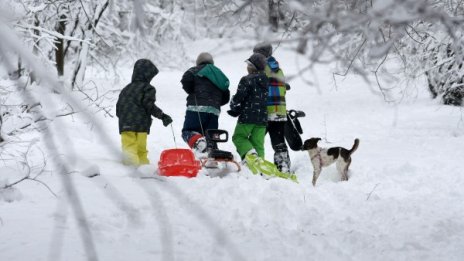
x,y
188,80
225,97
240,96
117,108
148,101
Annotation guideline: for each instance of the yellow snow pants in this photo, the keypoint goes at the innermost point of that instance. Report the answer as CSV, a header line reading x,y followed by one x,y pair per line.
x,y
134,146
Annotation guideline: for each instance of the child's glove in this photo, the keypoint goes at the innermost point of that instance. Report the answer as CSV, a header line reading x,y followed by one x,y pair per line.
x,y
166,119
233,113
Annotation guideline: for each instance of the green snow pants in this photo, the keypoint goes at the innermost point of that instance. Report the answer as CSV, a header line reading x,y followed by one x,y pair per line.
x,y
247,137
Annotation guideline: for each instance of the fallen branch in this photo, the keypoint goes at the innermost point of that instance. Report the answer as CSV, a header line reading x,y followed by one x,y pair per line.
x,y
29,172
38,120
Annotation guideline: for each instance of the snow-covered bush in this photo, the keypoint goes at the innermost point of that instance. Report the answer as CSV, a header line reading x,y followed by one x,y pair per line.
x,y
445,74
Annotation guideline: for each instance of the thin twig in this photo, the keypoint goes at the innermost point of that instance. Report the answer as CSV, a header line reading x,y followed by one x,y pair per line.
x,y
240,8
352,60
46,186
370,193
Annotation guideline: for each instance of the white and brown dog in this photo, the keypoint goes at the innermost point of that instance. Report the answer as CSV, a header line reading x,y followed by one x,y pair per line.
x,y
321,157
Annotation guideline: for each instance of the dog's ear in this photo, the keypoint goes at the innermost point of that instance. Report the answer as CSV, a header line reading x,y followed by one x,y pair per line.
x,y
305,145
318,139
310,143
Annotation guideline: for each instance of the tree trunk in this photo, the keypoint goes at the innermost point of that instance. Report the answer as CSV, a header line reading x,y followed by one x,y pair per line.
x,y
35,49
20,67
274,14
59,51
88,32
79,72
1,121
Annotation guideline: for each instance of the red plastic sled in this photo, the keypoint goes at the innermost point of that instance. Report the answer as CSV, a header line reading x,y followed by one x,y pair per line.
x,y
178,162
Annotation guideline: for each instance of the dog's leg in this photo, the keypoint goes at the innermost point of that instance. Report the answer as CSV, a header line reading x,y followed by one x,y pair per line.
x,y
342,169
317,172
345,170
345,175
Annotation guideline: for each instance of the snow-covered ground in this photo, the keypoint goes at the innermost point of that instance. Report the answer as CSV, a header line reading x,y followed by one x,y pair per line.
x,y
403,200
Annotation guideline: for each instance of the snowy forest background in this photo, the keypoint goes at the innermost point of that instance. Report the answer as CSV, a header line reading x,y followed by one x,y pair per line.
x,y
51,51
415,38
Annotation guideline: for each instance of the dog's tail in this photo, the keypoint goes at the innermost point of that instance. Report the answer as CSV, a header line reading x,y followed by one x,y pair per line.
x,y
355,146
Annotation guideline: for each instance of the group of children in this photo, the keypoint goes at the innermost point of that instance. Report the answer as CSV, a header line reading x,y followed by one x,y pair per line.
x,y
259,104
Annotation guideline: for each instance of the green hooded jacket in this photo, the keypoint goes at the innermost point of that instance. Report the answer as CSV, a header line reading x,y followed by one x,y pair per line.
x,y
136,102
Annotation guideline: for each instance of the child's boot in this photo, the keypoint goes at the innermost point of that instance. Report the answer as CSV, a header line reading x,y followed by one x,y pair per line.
x,y
265,168
199,145
252,161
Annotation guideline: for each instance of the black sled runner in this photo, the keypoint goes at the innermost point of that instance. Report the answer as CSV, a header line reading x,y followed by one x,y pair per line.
x,y
293,130
216,156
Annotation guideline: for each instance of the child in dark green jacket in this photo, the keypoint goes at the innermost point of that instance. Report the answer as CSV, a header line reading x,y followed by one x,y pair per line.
x,y
249,104
134,108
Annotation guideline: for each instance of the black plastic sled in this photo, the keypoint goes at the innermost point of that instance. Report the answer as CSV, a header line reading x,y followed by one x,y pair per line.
x,y
293,129
215,155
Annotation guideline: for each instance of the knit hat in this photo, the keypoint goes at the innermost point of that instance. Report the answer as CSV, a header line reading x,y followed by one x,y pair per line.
x,y
205,58
264,48
258,61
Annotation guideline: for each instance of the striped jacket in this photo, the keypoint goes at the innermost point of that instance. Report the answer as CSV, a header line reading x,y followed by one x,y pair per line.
x,y
276,105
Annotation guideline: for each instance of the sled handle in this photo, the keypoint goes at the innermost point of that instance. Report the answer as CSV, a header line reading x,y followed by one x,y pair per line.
x,y
215,135
296,114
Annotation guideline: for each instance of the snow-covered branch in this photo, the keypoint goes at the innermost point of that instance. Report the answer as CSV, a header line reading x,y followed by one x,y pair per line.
x,y
53,34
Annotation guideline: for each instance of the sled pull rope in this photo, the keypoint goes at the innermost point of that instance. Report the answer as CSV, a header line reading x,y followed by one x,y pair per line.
x,y
199,117
173,136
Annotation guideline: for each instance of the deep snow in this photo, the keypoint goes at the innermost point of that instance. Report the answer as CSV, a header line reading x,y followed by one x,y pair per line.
x,y
403,200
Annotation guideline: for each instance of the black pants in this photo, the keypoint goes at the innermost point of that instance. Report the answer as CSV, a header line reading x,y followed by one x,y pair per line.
x,y
197,123
276,133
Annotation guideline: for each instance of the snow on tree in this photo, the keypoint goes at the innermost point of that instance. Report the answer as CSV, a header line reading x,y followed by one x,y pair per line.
x,y
363,36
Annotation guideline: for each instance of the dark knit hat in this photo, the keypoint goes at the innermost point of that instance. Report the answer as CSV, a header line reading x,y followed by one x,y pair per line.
x,y
258,61
205,58
263,48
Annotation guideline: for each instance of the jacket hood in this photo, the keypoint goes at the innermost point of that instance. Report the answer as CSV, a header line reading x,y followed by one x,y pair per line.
x,y
273,64
258,61
215,75
264,48
144,71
